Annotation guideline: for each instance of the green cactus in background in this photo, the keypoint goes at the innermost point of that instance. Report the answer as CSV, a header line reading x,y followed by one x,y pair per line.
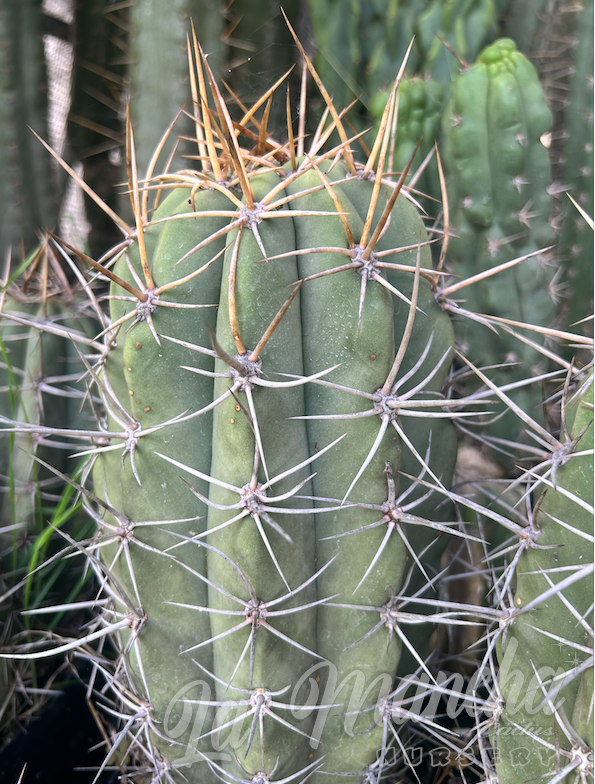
x,y
43,319
384,39
362,45
499,170
27,191
94,131
419,117
44,323
546,642
159,67
464,25
498,174
526,22
576,238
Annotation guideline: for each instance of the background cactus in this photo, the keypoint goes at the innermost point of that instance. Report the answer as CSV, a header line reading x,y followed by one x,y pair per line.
x,y
576,239
26,189
42,320
498,173
419,117
362,45
466,27
556,39
548,633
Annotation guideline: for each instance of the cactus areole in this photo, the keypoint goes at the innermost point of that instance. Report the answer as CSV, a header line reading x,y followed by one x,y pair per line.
x,y
274,342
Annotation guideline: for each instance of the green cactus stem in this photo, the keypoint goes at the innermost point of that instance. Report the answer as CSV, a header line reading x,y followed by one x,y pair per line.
x,y
546,645
251,495
27,189
498,172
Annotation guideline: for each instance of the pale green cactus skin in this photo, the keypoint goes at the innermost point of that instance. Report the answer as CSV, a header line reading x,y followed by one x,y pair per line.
x,y
550,638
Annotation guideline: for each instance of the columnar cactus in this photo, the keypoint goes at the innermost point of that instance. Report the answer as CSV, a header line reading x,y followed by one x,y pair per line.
x,y
576,237
26,176
262,380
498,173
465,25
546,646
419,117
362,45
499,169
42,321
